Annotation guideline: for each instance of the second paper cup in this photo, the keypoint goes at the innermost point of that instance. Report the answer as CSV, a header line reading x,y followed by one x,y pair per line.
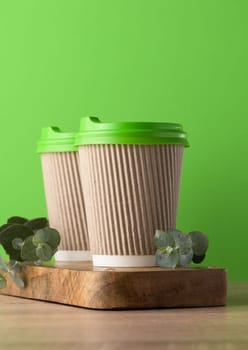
x,y
63,192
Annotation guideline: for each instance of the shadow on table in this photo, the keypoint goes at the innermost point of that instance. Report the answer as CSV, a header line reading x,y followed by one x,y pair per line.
x,y
237,294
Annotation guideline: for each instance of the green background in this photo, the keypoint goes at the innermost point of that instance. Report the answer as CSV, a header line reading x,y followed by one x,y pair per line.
x,y
156,60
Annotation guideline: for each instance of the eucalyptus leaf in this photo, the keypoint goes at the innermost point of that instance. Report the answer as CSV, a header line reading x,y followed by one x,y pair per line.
x,y
3,281
37,223
9,234
199,242
18,281
163,239
16,220
165,250
38,262
198,259
15,266
4,226
28,251
183,242
185,259
3,265
17,243
19,239
44,252
167,260
47,235
174,233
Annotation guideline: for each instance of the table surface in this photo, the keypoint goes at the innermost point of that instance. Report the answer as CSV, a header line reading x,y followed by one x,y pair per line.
x,y
29,324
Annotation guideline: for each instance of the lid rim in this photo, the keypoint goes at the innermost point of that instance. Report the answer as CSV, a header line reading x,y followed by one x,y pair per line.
x,y
93,131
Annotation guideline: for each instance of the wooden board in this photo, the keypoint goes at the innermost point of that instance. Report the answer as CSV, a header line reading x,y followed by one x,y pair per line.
x,y
82,285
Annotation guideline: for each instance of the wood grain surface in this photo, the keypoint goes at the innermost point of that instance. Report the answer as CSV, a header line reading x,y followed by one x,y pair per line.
x,y
82,285
34,325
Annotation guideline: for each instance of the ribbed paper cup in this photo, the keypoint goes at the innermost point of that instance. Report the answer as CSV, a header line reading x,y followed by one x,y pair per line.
x,y
131,176
63,192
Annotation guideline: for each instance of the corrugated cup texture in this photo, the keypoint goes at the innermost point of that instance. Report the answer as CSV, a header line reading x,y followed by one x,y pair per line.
x,y
64,199
129,191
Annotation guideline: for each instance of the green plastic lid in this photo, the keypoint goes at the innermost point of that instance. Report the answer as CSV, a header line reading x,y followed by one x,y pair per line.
x,y
54,140
93,131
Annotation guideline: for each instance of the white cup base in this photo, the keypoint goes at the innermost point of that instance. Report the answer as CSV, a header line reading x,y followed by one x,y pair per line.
x,y
124,260
73,255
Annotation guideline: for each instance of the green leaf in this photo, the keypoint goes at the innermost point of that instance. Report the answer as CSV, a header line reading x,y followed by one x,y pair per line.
x,y
4,226
38,262
15,265
47,235
18,281
28,251
9,234
37,223
44,252
183,242
166,250
163,239
167,260
199,242
17,243
3,265
3,282
185,259
16,220
174,233
198,259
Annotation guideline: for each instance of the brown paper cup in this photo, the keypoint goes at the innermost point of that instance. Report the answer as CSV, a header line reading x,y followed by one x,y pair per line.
x,y
129,191
65,204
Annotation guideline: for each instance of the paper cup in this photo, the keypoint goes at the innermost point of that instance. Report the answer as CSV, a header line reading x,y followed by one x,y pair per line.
x,y
63,192
130,176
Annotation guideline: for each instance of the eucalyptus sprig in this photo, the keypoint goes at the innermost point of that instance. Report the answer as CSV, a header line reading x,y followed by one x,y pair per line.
x,y
26,241
175,248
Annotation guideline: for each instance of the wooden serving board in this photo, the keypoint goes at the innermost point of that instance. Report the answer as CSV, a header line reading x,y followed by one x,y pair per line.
x,y
79,284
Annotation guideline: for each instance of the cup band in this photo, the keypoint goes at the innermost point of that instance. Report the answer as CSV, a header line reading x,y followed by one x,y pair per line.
x,y
124,260
73,255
